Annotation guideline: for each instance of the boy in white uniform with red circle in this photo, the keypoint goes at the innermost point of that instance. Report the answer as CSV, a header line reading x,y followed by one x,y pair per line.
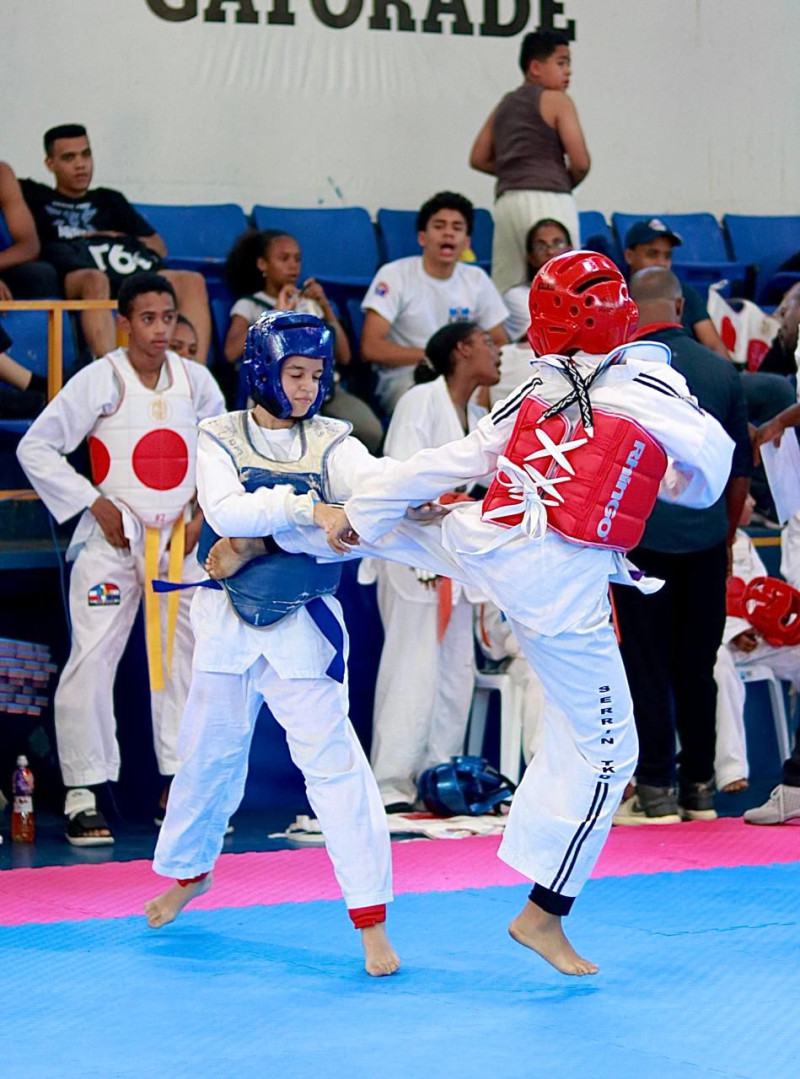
x,y
139,407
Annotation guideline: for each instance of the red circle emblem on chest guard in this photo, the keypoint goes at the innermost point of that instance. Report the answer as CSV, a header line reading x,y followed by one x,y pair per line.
x,y
160,460
99,459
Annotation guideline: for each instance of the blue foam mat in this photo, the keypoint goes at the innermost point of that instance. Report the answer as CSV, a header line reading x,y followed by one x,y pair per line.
x,y
699,978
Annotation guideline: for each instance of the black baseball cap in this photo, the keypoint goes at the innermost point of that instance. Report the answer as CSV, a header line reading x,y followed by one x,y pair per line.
x,y
642,232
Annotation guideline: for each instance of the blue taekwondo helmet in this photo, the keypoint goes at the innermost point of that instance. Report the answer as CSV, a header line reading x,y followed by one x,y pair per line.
x,y
463,786
270,340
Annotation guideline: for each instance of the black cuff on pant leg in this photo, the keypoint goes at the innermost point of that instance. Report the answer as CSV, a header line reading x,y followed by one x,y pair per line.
x,y
551,902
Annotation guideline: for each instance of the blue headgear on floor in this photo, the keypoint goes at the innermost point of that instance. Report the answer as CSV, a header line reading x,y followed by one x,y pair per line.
x,y
464,785
270,340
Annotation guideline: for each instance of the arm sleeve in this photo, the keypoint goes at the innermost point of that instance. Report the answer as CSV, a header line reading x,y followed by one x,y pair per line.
x,y
207,396
232,511
384,294
383,498
130,220
60,429
696,444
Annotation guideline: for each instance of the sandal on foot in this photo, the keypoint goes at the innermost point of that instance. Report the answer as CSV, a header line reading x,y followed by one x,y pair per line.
x,y
83,818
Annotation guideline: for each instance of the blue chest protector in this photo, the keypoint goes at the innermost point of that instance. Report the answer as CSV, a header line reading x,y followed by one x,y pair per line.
x,y
271,586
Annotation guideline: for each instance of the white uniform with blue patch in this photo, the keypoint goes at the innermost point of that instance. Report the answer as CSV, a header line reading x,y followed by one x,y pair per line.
x,y
239,666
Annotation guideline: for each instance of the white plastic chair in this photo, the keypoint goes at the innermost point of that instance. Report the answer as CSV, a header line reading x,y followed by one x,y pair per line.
x,y
511,705
759,672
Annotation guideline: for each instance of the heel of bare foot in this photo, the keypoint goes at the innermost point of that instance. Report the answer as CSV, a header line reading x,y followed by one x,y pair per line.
x,y
735,786
380,958
227,556
166,907
542,933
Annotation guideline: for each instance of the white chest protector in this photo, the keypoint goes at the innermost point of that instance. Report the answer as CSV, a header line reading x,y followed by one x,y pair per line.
x,y
143,454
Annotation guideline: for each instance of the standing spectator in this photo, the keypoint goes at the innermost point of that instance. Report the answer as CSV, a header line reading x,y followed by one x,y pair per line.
x,y
411,298
95,240
544,240
22,276
427,669
670,639
534,145
139,408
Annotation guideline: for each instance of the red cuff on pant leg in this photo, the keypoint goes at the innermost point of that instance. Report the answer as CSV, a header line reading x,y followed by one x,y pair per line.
x,y
364,917
192,880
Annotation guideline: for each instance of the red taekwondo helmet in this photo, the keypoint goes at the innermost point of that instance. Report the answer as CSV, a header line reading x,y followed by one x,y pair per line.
x,y
579,300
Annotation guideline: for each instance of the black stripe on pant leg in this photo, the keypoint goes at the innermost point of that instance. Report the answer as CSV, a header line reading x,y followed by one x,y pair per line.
x,y
584,837
576,837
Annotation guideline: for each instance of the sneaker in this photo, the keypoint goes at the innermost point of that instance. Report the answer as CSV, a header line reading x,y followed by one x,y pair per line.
x,y
696,801
782,805
649,805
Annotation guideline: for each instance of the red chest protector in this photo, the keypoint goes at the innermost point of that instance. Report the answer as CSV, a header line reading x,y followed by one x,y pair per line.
x,y
597,491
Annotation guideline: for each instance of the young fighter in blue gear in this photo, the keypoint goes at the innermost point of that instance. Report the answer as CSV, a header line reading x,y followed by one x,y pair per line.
x,y
276,635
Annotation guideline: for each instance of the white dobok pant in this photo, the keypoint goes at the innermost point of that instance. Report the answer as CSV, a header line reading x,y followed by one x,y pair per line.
x,y
215,742
561,813
423,690
86,726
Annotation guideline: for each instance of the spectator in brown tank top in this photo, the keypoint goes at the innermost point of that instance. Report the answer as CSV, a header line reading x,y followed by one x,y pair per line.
x,y
534,145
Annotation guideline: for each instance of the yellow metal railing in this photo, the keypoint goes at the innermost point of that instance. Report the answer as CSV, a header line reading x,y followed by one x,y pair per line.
x,y
55,330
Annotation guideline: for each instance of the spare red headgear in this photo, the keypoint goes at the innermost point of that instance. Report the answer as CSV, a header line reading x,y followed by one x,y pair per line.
x,y
579,300
773,608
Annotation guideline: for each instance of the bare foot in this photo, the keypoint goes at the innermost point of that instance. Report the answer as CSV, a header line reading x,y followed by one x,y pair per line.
x,y
379,956
166,907
735,786
227,556
542,932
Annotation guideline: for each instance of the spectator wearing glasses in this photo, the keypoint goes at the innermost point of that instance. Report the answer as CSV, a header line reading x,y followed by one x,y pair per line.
x,y
546,238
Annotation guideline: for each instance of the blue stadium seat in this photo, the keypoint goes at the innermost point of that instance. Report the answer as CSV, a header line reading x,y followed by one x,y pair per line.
x,y
28,332
338,244
197,237
597,235
703,257
764,243
398,234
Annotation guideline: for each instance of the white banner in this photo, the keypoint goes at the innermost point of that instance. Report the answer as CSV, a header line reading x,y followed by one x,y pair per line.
x,y
686,104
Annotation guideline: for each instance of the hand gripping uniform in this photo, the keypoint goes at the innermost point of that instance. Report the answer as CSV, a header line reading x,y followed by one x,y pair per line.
x,y
142,453
579,452
275,633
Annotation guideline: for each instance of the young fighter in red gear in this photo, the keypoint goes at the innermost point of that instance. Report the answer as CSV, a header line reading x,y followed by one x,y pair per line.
x,y
580,452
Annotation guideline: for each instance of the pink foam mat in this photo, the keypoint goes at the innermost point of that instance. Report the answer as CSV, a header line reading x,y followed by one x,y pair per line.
x,y
119,889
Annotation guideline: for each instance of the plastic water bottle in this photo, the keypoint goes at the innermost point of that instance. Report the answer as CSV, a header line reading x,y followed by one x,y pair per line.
x,y
23,825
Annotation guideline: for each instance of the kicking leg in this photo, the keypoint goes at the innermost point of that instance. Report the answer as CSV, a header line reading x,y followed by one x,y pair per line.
x,y
227,556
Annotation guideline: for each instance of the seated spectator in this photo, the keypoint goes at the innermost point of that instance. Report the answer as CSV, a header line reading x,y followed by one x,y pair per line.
x,y
24,394
22,276
670,640
546,238
410,298
651,243
184,338
262,271
95,240
781,359
743,644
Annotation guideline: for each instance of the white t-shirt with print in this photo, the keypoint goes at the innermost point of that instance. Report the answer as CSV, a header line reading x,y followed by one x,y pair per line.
x,y
251,308
417,305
